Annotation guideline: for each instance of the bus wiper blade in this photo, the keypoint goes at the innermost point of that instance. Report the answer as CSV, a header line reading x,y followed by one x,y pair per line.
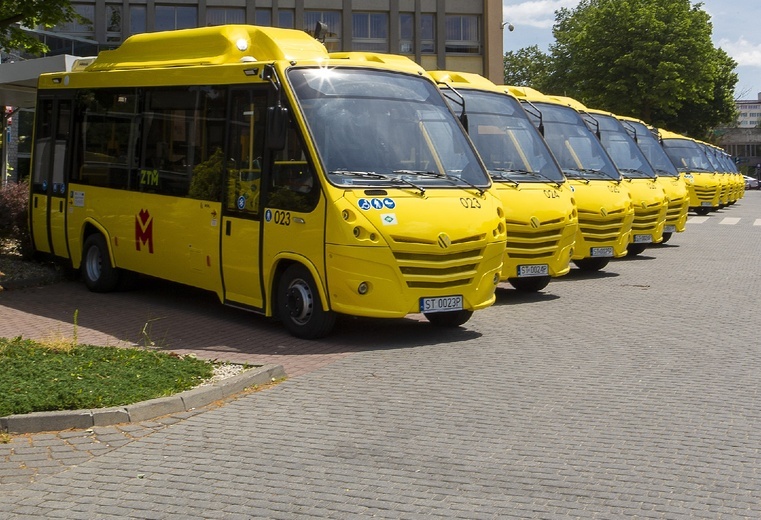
x,y
356,173
440,176
497,174
533,173
627,172
591,171
409,183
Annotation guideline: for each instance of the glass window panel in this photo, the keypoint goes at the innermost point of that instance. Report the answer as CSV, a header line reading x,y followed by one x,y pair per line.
x,y
286,18
263,17
137,16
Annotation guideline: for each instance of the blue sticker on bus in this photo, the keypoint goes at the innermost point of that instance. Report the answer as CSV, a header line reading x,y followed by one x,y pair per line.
x,y
364,204
389,203
268,215
242,202
377,203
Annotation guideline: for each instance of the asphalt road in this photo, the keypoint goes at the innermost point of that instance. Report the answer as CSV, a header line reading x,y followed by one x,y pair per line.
x,y
631,393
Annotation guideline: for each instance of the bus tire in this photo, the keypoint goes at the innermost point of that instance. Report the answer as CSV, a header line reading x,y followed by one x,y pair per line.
x,y
635,249
450,319
97,272
666,237
702,211
531,284
591,264
299,306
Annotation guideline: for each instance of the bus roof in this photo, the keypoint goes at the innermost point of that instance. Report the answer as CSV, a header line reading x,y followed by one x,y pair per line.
x,y
396,61
210,46
465,79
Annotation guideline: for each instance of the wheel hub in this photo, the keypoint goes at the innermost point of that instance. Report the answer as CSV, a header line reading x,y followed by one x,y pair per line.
x,y
300,302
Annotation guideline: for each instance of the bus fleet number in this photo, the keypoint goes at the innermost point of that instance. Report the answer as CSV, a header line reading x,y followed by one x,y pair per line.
x,y
282,217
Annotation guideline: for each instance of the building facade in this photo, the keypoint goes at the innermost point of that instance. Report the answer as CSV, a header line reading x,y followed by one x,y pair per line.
x,y
743,141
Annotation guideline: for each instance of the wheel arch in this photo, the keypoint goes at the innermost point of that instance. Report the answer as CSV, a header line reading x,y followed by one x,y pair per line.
x,y
283,262
89,228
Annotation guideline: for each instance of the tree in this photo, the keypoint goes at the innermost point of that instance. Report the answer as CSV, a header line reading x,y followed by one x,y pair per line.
x,y
652,59
31,13
527,67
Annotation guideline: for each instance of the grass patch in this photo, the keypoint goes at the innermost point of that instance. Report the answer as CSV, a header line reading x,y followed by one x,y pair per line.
x,y
61,375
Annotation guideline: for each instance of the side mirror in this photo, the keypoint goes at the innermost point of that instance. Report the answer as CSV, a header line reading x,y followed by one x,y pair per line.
x,y
320,30
277,126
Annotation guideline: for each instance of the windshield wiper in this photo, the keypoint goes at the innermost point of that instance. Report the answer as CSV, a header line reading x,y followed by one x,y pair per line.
x,y
641,174
557,183
582,172
374,175
500,176
436,175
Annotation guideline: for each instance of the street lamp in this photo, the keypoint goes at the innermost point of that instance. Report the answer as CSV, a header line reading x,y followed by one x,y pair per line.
x,y
510,27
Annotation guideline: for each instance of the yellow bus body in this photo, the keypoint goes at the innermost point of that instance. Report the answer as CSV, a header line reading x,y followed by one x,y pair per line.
x,y
703,183
673,183
540,214
279,234
604,205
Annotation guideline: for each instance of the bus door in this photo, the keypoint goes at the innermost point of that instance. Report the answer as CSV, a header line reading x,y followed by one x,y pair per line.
x,y
49,176
241,219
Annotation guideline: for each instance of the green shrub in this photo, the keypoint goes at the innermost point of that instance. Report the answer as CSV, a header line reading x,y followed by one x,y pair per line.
x,y
14,224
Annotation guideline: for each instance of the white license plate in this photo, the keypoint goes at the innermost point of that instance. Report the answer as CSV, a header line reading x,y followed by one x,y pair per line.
x,y
601,251
708,204
533,270
643,239
669,229
441,304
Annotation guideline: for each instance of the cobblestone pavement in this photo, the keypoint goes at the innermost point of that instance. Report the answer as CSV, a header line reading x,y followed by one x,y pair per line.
x,y
629,393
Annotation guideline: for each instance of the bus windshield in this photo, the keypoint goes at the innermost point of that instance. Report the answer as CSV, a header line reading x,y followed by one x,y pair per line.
x,y
580,154
653,150
507,141
687,156
626,155
379,128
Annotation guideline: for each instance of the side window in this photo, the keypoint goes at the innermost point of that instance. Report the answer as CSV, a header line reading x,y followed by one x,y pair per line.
x,y
294,186
43,145
245,151
106,137
182,140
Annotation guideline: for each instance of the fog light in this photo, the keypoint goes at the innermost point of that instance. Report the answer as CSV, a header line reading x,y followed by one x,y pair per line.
x,y
363,288
356,232
496,278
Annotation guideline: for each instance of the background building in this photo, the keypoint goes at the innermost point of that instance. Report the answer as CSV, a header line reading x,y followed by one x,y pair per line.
x,y
743,141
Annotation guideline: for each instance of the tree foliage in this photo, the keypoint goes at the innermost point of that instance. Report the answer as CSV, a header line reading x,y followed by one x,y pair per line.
x,y
527,67
651,59
30,13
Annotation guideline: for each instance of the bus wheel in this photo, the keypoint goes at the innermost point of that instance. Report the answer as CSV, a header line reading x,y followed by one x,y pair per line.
x,y
299,306
450,319
702,211
666,237
591,264
97,271
531,284
636,249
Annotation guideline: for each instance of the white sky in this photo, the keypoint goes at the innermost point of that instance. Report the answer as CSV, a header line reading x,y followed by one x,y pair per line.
x,y
736,29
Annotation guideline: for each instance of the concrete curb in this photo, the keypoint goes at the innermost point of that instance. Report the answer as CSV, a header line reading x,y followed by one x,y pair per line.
x,y
183,402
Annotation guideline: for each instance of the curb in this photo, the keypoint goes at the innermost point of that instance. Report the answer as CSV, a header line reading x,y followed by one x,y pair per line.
x,y
36,422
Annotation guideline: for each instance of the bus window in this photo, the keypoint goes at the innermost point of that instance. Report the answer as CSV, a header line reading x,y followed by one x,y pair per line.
x,y
245,150
293,183
107,131
181,130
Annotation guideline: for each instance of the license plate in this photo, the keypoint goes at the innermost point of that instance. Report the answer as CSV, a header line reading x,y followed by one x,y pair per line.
x,y
533,270
708,204
643,239
441,304
601,251
669,229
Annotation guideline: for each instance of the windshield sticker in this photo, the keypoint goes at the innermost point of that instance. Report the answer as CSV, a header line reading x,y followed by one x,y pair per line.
x,y
389,219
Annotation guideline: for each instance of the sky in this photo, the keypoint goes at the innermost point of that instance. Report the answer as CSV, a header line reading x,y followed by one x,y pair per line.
x,y
736,29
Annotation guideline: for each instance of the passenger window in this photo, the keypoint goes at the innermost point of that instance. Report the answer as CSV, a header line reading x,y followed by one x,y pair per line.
x,y
294,186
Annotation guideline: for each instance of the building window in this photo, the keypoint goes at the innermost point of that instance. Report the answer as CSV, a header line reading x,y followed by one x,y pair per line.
x,y
427,34
113,22
286,18
137,19
462,34
406,33
369,32
84,29
263,17
332,19
170,17
225,15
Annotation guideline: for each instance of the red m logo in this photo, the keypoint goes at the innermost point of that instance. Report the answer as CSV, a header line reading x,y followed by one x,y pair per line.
x,y
144,230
